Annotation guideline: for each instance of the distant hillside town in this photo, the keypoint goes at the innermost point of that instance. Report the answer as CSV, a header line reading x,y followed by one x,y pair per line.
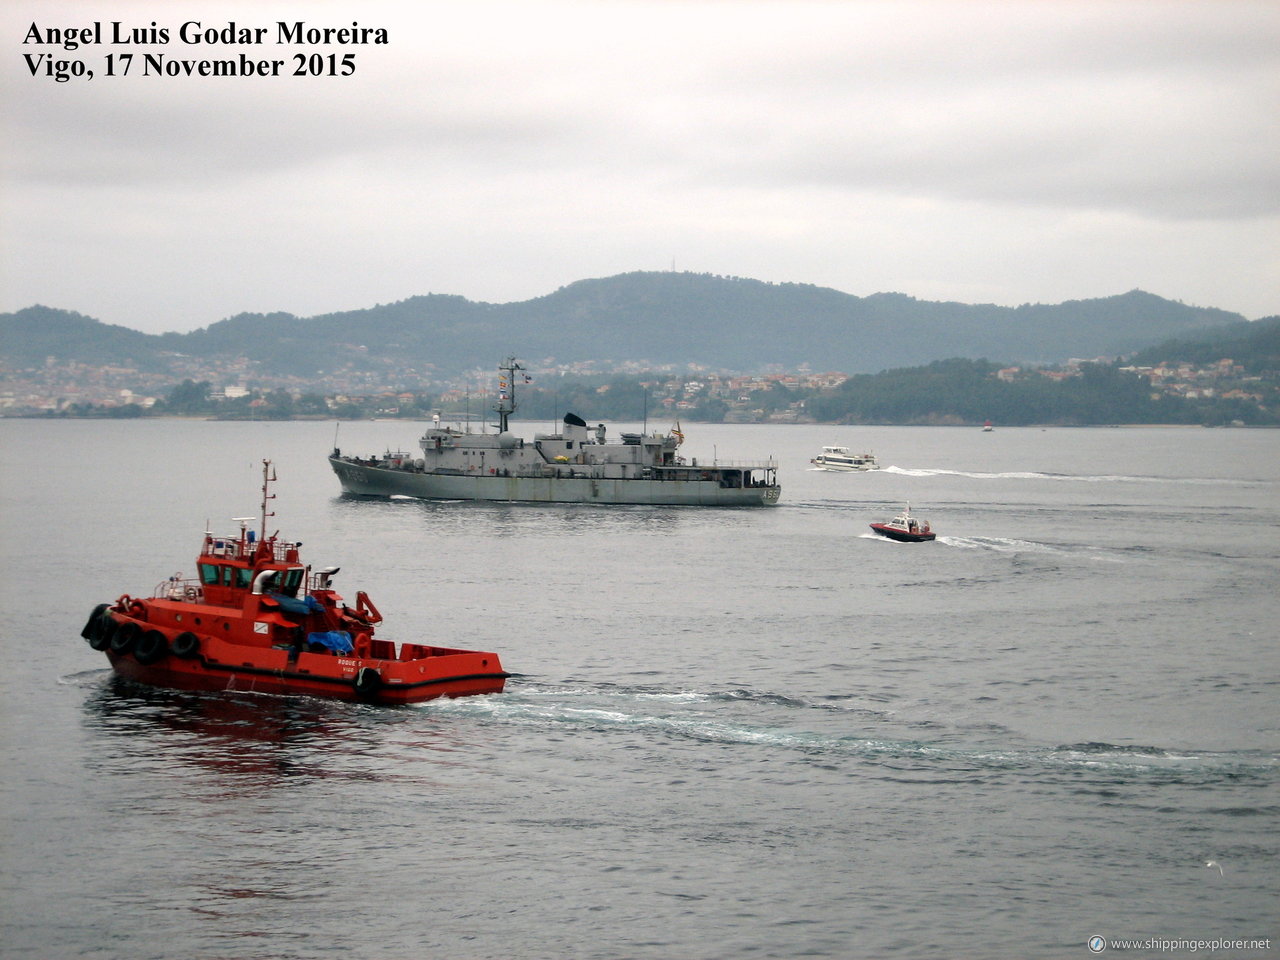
x,y
692,345
955,391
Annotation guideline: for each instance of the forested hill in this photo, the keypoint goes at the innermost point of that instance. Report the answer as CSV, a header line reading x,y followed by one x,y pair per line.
x,y
655,318
1254,346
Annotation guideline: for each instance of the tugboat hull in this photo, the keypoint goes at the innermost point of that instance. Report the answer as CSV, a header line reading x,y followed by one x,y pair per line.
x,y
209,663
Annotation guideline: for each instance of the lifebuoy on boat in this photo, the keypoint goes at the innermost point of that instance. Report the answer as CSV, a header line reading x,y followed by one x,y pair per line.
x,y
125,637
150,647
186,645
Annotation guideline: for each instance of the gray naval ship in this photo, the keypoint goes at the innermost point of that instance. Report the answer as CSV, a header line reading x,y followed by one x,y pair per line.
x,y
576,465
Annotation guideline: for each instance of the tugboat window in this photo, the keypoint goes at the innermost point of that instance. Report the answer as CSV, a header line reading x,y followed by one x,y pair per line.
x,y
208,574
244,578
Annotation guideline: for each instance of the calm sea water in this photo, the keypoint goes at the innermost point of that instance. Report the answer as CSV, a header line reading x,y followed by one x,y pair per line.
x,y
731,733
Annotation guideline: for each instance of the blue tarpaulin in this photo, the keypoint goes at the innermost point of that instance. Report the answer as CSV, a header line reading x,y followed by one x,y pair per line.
x,y
308,604
339,641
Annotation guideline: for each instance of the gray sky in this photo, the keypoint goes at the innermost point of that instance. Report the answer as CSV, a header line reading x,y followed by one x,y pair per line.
x,y
1004,152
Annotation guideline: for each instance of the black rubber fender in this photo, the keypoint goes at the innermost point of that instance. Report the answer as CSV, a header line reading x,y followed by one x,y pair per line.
x,y
186,645
94,624
367,682
125,637
100,636
151,647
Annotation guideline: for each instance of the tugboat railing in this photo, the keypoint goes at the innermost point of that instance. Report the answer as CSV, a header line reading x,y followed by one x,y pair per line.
x,y
189,589
234,548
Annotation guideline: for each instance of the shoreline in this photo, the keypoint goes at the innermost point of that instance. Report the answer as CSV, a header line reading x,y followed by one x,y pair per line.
x,y
812,423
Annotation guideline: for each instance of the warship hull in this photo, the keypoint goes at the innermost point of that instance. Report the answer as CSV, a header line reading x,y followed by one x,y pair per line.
x,y
578,464
687,490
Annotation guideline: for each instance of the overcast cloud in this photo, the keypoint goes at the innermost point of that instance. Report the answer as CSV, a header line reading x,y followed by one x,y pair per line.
x,y
1002,152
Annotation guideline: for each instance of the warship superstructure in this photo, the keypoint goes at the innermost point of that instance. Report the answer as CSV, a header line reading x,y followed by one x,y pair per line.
x,y
577,465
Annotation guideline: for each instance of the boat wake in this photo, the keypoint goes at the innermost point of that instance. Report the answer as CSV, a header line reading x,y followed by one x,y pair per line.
x,y
85,678
765,721
1012,545
1060,477
998,544
1003,545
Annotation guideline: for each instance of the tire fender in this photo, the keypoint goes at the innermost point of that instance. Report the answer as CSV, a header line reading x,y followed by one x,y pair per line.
x,y
186,645
93,625
125,637
151,647
367,682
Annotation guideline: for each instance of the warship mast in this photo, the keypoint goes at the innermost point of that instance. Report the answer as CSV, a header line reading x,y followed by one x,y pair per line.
x,y
506,391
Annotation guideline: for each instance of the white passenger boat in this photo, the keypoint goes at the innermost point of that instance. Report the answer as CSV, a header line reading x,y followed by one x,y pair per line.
x,y
842,458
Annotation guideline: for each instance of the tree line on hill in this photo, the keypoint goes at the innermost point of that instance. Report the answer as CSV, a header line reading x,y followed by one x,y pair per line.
x,y
966,391
956,391
943,391
657,319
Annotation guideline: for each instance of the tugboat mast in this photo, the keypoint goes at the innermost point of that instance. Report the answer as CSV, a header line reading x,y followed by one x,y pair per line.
x,y
268,477
506,391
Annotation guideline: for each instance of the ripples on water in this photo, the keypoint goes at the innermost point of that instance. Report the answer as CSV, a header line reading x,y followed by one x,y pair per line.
x,y
761,808
730,733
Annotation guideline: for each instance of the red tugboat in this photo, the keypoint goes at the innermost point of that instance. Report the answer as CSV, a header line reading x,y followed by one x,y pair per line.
x,y
257,619
905,528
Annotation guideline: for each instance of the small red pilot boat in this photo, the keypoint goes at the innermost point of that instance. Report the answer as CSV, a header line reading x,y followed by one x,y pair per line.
x,y
257,619
906,528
